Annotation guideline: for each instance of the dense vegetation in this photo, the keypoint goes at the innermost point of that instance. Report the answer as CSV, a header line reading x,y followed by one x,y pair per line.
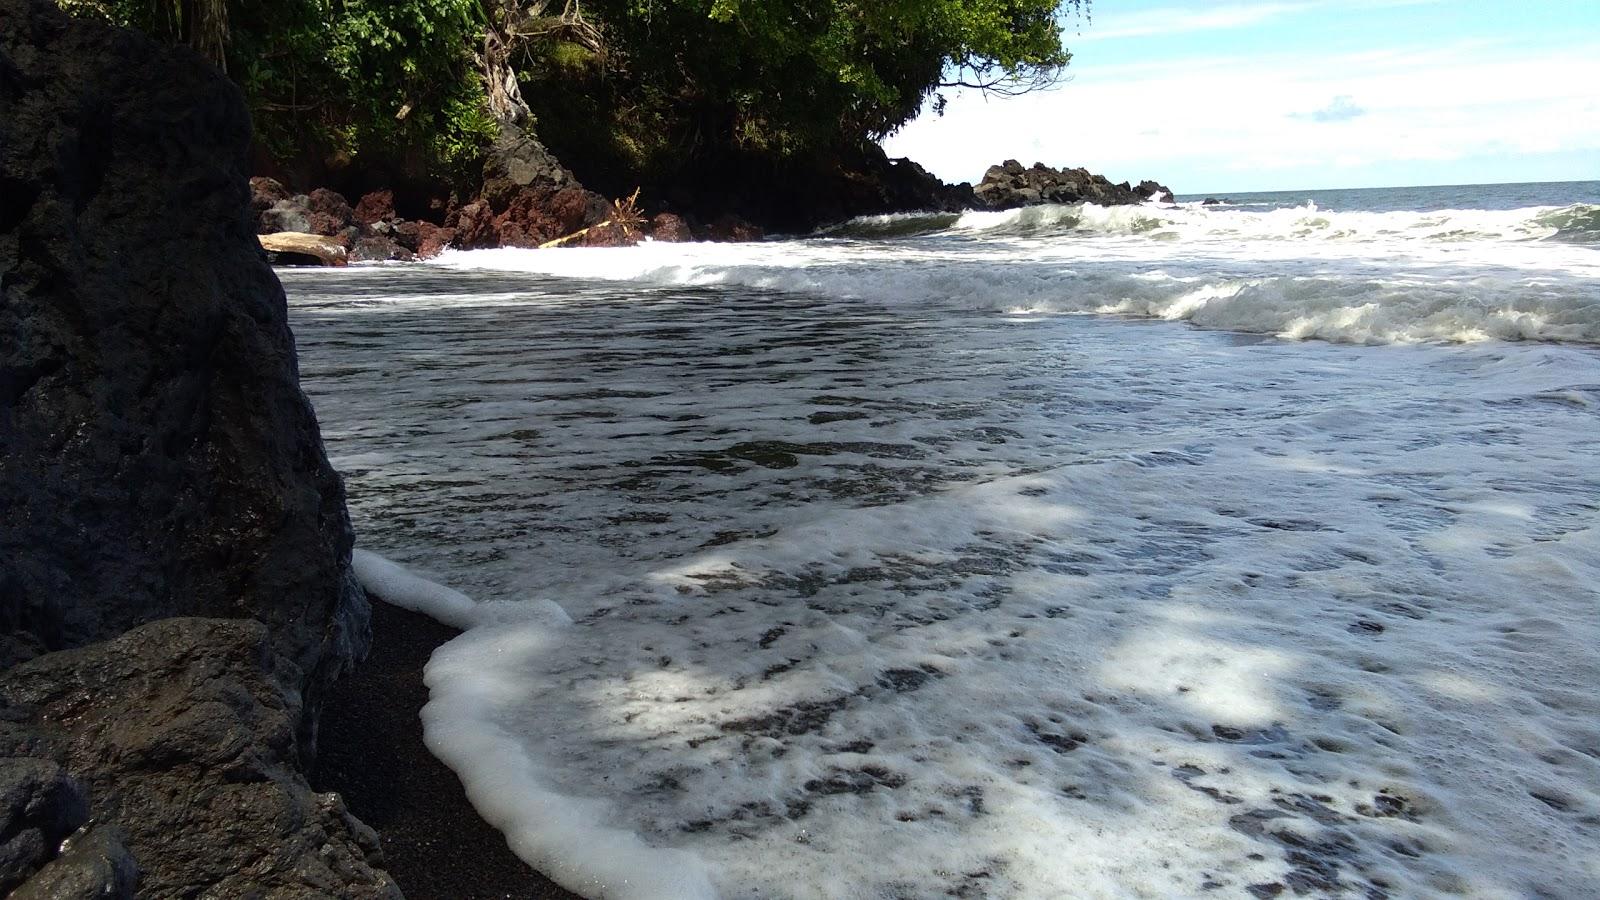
x,y
678,77
636,88
333,81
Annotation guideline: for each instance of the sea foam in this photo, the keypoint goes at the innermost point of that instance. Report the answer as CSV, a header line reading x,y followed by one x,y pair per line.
x,y
561,835
1456,276
784,594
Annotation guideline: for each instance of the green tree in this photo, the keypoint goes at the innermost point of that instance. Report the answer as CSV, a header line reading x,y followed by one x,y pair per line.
x,y
679,79
332,82
641,86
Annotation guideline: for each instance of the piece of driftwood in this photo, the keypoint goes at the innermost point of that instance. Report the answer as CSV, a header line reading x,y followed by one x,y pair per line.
x,y
296,249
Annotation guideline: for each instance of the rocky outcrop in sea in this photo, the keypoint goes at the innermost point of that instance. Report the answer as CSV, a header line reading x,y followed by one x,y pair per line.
x,y
175,585
1009,185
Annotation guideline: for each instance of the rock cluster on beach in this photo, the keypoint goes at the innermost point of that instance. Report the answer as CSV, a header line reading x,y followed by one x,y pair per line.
x,y
1009,185
176,590
527,199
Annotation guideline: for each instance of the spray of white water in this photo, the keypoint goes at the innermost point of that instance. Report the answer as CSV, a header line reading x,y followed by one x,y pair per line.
x,y
1458,276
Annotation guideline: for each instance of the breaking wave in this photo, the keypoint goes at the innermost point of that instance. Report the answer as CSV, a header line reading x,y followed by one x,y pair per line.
x,y
1400,291
1578,223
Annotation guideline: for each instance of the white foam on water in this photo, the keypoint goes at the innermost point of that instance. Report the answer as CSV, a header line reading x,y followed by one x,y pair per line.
x,y
1197,222
391,583
1457,276
555,832
899,600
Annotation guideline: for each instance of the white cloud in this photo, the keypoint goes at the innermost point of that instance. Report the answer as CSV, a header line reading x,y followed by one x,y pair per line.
x,y
1251,115
1340,109
1196,17
1183,20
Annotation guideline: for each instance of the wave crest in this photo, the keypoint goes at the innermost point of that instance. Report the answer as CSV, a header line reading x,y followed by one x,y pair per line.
x,y
1359,300
1576,224
1579,223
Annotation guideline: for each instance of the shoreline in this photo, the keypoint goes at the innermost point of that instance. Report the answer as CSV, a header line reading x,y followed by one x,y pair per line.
x,y
550,209
370,751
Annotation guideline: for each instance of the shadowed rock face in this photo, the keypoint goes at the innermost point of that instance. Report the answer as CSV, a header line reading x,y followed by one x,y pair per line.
x,y
157,462
183,732
157,457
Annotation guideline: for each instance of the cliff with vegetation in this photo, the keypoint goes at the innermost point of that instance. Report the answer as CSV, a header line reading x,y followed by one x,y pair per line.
x,y
176,597
765,110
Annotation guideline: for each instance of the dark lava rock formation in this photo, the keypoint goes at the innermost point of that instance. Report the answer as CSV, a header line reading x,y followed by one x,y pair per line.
x,y
183,735
159,457
157,460
1009,185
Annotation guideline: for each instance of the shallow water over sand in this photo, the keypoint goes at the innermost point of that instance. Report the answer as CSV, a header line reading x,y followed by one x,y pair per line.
x,y
850,598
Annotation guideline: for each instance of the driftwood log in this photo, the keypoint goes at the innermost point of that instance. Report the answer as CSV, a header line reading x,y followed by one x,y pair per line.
x,y
294,248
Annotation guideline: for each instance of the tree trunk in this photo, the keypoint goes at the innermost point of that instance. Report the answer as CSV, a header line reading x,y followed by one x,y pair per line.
x,y
499,73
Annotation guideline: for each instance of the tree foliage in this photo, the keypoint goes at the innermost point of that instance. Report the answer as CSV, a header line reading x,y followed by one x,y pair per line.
x,y
635,83
786,76
338,79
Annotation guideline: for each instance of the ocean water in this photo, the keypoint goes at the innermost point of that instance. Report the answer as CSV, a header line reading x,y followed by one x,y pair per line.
x,y
1142,552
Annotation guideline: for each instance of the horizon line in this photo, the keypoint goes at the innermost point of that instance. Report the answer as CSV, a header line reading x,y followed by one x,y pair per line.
x,y
1390,187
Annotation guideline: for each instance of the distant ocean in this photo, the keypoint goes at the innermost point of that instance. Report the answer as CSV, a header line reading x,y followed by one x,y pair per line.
x,y
1422,199
1170,550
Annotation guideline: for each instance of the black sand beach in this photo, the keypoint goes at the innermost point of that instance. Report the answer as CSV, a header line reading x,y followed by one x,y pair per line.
x,y
371,751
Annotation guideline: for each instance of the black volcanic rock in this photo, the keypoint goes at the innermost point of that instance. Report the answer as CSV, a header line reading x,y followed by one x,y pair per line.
x,y
157,461
1009,185
94,865
517,161
40,804
157,457
184,732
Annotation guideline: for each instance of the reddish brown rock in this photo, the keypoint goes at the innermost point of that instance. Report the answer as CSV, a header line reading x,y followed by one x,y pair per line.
x,y
611,235
527,221
331,204
733,229
537,215
265,193
670,227
321,223
574,208
516,234
432,240
410,234
475,226
377,206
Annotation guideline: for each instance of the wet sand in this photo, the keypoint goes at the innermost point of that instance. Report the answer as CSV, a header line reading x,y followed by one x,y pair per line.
x,y
370,750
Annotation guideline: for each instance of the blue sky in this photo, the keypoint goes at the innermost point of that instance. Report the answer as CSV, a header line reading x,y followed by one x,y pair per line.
x,y
1298,94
